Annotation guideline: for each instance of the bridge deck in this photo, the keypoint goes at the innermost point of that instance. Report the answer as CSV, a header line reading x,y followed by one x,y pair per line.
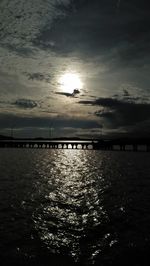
x,y
122,145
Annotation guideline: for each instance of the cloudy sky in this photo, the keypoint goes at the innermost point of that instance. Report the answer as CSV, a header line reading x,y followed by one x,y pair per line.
x,y
75,66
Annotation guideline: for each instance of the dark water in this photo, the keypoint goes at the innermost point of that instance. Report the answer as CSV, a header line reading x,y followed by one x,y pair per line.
x,y
74,207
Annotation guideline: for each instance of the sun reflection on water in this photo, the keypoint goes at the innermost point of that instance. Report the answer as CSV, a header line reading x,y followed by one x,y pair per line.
x,y
72,205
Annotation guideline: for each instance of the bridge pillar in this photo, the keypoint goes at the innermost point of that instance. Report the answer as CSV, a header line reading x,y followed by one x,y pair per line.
x,y
148,148
122,147
135,147
109,147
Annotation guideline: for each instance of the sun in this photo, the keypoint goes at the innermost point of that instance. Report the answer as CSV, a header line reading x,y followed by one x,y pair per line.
x,y
70,82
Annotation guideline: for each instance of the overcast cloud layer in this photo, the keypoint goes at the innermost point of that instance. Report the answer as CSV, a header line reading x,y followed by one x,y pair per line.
x,y
106,42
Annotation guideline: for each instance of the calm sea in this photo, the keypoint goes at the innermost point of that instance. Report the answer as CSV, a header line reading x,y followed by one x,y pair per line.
x,y
64,207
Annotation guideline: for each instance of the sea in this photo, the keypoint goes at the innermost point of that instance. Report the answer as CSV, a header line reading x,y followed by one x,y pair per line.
x,y
74,207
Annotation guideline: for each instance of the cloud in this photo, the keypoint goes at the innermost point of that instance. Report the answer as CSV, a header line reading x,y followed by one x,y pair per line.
x,y
117,113
25,103
118,4
57,121
95,27
22,21
73,94
106,102
108,47
126,93
67,94
38,77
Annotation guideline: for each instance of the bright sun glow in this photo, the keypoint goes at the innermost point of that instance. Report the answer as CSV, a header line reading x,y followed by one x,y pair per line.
x,y
69,82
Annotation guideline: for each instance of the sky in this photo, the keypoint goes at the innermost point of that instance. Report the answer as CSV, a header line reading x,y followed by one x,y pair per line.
x,y
75,68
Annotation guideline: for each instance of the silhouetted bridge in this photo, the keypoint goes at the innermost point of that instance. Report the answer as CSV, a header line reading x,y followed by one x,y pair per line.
x,y
115,144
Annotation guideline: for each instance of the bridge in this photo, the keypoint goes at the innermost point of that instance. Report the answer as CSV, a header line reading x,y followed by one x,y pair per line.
x,y
105,144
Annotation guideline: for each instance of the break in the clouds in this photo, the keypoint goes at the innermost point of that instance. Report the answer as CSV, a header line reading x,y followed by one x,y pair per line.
x,y
105,44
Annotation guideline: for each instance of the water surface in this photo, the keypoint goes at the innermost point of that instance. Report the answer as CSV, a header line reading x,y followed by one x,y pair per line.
x,y
74,207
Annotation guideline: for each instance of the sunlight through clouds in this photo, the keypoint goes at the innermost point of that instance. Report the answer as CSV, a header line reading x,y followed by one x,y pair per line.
x,y
70,82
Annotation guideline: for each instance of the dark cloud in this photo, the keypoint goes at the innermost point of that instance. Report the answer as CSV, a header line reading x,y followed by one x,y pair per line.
x,y
96,26
23,51
73,94
126,93
106,102
58,121
39,77
121,113
67,94
25,103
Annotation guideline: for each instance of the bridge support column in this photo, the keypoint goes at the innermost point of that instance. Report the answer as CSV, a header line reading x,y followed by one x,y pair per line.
x,y
148,148
122,147
109,147
135,147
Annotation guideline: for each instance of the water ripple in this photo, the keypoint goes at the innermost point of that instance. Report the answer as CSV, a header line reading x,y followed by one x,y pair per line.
x,y
83,207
